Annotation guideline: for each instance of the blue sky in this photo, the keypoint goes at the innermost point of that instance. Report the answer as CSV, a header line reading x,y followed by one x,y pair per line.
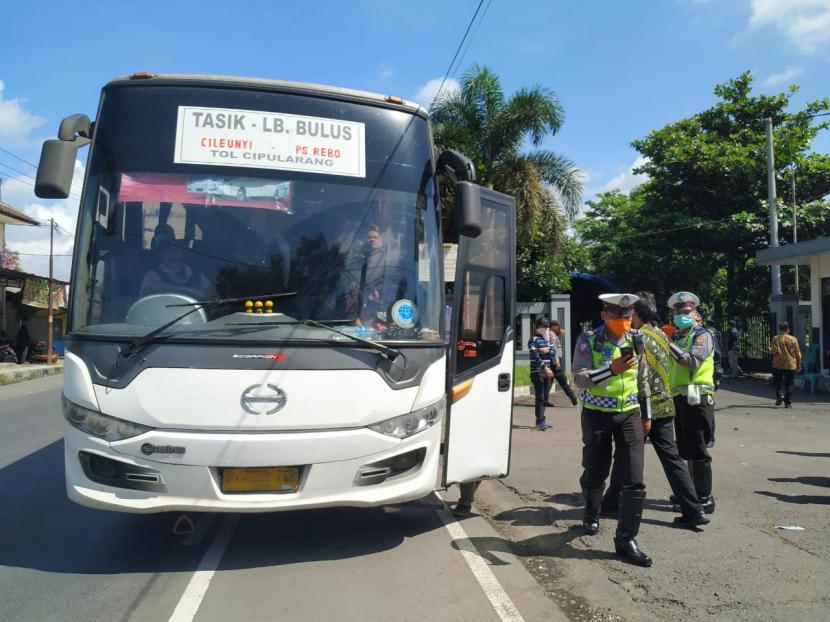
x,y
620,69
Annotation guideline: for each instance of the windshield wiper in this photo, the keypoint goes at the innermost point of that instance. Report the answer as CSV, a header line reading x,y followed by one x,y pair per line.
x,y
137,345
388,353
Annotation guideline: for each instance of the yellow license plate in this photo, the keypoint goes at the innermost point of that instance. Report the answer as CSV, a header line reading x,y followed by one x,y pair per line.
x,y
266,479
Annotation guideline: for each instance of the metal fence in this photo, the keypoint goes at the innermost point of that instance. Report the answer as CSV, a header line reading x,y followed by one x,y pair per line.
x,y
756,333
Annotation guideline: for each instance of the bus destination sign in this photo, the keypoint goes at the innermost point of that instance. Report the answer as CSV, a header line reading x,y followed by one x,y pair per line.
x,y
269,140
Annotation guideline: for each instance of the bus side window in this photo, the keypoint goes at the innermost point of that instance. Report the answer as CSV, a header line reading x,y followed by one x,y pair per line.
x,y
483,322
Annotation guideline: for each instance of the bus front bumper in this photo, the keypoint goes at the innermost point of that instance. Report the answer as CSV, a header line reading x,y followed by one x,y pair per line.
x,y
336,468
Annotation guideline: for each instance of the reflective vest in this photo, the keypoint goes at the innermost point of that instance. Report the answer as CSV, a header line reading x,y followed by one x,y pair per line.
x,y
704,376
618,393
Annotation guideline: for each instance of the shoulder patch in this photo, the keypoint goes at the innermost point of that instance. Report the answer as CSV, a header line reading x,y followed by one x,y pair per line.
x,y
582,346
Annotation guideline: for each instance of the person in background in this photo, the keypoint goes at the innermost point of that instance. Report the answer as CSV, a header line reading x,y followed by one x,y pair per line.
x,y
464,507
22,343
733,344
542,354
668,328
711,326
610,367
556,335
786,361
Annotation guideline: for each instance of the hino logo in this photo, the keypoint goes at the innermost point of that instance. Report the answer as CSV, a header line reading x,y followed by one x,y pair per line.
x,y
148,449
263,399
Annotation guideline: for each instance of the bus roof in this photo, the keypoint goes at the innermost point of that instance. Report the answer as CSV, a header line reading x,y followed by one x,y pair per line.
x,y
283,86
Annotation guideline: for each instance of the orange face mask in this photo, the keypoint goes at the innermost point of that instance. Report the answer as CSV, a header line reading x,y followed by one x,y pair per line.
x,y
618,325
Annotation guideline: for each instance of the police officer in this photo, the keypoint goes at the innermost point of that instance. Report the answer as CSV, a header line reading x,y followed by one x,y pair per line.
x,y
693,388
658,355
611,369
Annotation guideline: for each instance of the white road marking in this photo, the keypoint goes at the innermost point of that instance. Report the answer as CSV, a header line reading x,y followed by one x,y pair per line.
x,y
200,581
495,593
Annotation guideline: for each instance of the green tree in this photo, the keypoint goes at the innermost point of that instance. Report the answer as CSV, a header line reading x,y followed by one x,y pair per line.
x,y
698,220
491,129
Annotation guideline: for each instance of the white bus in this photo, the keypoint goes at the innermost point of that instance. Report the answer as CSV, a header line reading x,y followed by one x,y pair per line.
x,y
229,353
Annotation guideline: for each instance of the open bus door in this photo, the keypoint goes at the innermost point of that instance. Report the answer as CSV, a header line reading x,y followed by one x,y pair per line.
x,y
480,387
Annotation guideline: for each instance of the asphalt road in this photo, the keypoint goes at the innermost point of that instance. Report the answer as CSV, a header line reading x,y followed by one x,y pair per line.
x,y
771,469
59,561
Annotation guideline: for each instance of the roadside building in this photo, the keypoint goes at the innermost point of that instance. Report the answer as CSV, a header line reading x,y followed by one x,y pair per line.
x,y
811,322
24,295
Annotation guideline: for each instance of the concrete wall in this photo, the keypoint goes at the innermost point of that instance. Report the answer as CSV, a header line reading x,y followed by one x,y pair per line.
x,y
819,269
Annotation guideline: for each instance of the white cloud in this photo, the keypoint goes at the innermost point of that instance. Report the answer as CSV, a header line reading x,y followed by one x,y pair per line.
x,y
15,121
784,77
385,72
806,23
427,93
33,242
626,180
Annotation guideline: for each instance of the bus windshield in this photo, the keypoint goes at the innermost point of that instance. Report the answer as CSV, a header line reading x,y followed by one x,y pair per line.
x,y
352,235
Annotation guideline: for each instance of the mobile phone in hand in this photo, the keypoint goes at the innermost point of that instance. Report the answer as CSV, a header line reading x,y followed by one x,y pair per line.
x,y
627,352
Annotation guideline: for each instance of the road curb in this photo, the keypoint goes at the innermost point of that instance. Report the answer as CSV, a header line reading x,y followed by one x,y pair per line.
x,y
13,376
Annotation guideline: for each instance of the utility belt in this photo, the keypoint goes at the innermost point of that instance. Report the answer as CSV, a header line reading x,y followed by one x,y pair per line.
x,y
683,389
604,402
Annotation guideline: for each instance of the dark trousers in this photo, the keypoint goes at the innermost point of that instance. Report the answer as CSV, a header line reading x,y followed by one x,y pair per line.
x,y
468,491
677,473
559,375
541,390
599,429
694,427
783,384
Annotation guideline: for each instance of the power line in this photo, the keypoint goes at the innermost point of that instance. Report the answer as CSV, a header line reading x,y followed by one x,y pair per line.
x,y
14,252
29,183
457,50
472,36
17,157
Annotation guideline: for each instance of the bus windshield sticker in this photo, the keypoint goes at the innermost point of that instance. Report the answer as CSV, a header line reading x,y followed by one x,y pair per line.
x,y
270,140
272,194
405,313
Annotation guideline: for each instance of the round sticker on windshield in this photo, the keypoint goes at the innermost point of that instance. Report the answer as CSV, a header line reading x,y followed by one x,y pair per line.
x,y
405,313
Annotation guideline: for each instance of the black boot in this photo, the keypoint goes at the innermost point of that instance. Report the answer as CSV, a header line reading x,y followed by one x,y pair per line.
x,y
628,526
702,477
695,519
610,505
593,499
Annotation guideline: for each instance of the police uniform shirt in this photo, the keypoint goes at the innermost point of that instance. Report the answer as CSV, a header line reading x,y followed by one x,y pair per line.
x,y
585,377
702,346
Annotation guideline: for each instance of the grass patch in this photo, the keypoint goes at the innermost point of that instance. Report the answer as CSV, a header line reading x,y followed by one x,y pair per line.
x,y
521,375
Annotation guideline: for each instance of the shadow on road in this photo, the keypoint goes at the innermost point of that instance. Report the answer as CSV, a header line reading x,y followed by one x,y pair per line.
x,y
43,530
801,499
753,387
807,454
809,480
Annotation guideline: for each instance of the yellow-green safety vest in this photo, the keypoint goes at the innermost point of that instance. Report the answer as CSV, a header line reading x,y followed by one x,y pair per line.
x,y
703,376
618,393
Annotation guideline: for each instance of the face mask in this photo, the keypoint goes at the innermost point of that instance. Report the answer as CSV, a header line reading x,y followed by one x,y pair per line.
x,y
618,325
683,321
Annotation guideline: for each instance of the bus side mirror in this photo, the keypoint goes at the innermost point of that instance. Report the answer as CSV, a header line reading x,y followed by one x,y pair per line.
x,y
467,209
57,158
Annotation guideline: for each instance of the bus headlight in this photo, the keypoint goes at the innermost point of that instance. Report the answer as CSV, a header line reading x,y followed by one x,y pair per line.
x,y
411,423
97,424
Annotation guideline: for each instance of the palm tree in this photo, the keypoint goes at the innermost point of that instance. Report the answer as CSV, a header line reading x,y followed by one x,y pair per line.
x,y
478,121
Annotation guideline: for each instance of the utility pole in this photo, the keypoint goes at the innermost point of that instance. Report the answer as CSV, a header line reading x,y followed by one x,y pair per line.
x,y
773,213
795,233
50,320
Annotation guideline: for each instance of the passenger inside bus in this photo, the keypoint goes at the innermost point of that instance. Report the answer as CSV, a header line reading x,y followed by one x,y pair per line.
x,y
172,274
